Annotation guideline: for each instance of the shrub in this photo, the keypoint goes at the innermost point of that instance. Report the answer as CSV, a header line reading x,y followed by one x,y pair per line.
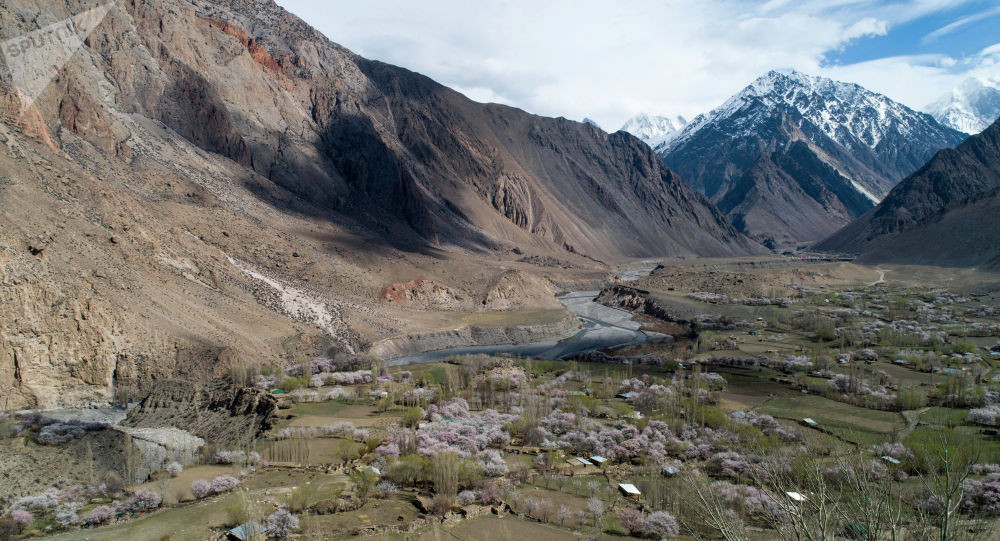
x,y
200,489
386,488
113,484
223,483
911,399
300,498
175,468
413,416
292,384
441,504
281,523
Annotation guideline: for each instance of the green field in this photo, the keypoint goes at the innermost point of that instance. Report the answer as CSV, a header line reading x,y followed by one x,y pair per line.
x,y
851,423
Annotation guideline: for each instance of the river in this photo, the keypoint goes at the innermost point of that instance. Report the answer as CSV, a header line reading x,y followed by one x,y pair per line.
x,y
602,327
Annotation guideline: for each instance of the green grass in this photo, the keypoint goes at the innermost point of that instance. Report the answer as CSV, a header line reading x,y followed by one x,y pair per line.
x,y
189,522
851,423
318,409
944,416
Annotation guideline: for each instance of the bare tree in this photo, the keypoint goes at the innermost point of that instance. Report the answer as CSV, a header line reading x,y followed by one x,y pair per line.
x,y
803,507
945,462
714,513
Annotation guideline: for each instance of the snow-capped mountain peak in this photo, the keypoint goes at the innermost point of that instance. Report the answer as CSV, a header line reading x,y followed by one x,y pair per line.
x,y
970,108
848,113
792,157
654,130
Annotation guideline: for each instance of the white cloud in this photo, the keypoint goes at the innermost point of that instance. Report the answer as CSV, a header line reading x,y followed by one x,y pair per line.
x,y
957,25
611,60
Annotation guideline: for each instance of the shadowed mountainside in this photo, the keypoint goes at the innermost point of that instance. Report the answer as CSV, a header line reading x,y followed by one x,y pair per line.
x,y
964,234
952,176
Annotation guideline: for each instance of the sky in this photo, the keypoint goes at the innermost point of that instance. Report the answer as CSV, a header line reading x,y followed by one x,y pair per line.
x,y
610,60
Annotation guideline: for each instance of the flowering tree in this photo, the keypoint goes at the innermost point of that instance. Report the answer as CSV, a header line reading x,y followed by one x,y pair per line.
x,y
145,499
99,515
200,488
465,497
66,515
22,517
386,488
175,468
281,523
660,524
596,508
493,463
223,483
631,520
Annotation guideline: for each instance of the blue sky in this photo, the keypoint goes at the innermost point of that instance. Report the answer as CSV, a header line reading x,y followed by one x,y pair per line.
x,y
611,60
957,31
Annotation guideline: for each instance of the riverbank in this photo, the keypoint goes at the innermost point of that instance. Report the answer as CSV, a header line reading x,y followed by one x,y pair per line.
x,y
595,326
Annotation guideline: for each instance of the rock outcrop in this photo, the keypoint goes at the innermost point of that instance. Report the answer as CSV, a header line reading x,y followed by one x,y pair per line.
x,y
218,412
475,335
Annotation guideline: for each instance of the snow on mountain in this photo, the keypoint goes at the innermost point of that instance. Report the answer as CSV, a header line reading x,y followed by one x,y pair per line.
x,y
654,130
848,113
592,122
793,157
970,107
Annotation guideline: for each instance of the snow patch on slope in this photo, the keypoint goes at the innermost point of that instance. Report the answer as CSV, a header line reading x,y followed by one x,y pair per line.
x,y
301,306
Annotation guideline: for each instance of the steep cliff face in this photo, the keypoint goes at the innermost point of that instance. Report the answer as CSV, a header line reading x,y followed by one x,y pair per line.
x,y
207,183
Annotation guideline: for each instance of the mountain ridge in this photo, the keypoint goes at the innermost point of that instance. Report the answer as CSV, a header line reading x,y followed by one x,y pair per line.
x,y
856,136
951,176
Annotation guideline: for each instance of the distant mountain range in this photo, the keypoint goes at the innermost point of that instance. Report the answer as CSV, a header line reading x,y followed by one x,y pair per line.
x,y
792,157
950,184
654,130
970,108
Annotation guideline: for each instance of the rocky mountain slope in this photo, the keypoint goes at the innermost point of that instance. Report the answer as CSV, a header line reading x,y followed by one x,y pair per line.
x,y
211,183
654,130
793,157
963,234
970,108
952,176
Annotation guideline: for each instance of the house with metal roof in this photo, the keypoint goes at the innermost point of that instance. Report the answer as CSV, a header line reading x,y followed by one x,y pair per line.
x,y
248,531
629,489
